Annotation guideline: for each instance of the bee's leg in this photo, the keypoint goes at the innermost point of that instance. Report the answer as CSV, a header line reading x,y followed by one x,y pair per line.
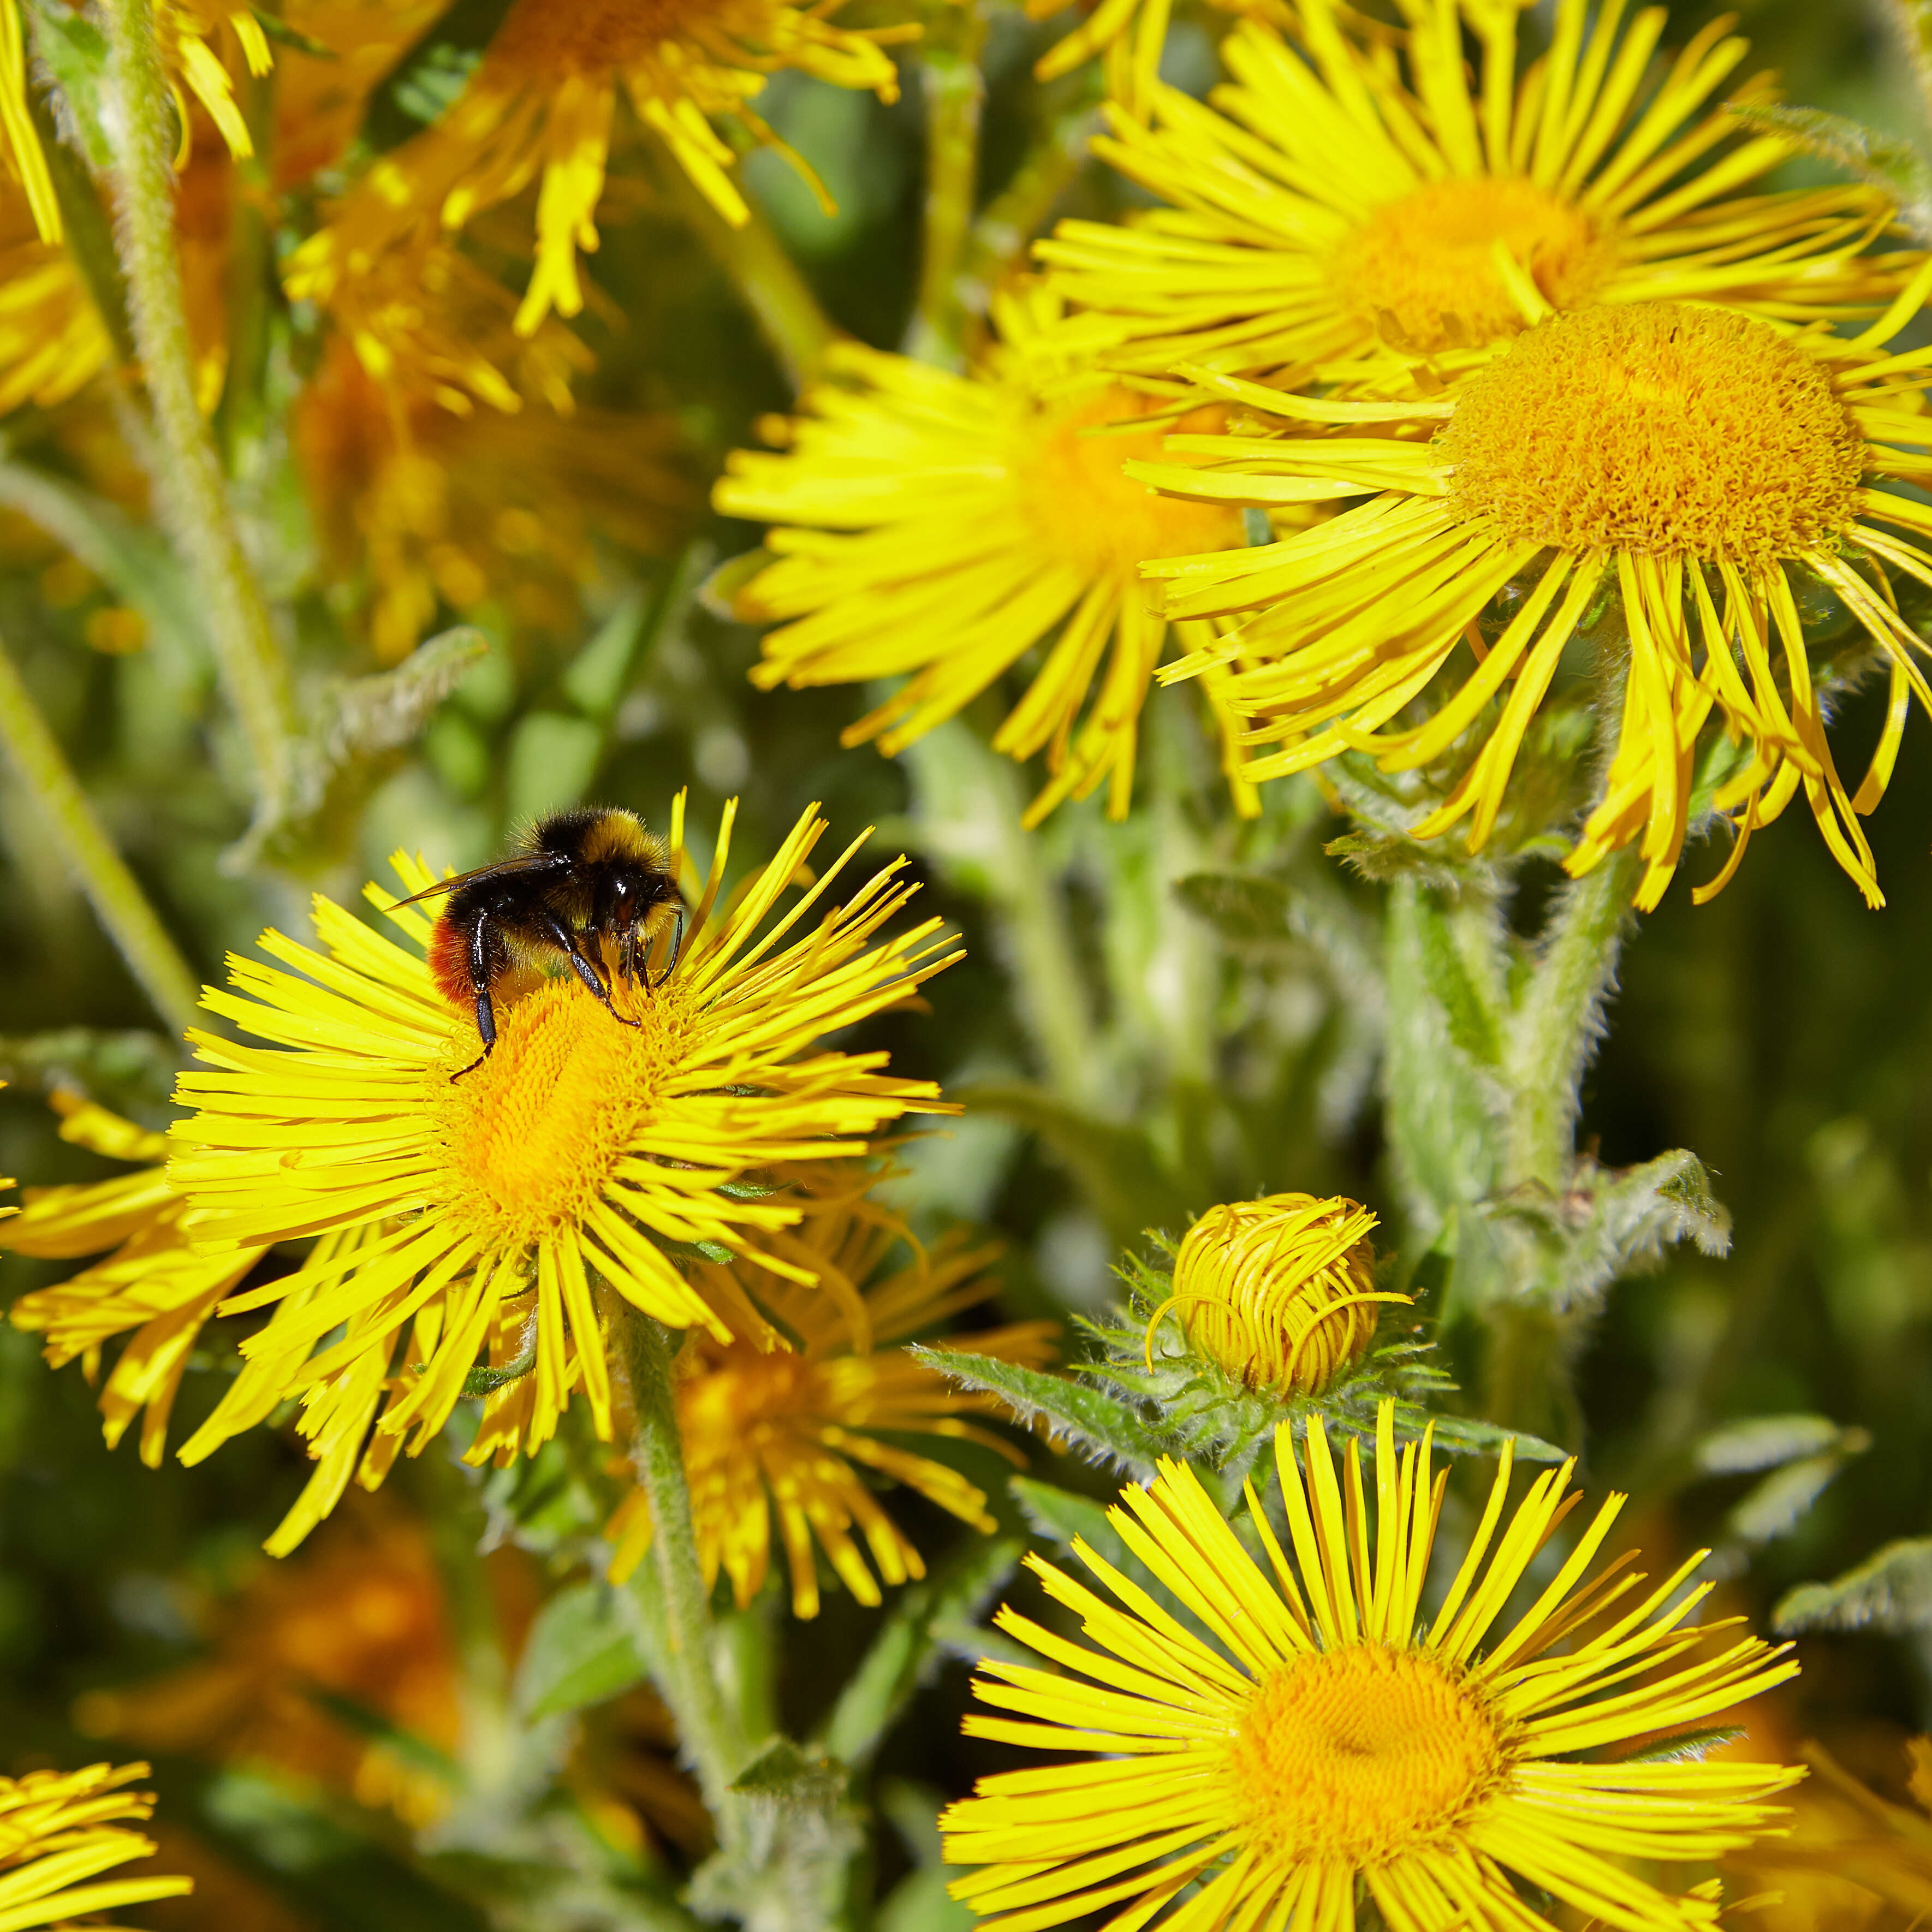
x,y
563,937
486,1011
677,947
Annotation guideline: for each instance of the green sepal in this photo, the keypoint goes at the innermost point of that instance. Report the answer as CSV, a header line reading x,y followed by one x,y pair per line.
x,y
582,1649
1106,1430
910,1642
485,1380
1891,1591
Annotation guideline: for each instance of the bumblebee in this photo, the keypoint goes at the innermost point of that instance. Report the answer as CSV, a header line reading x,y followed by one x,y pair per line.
x,y
585,884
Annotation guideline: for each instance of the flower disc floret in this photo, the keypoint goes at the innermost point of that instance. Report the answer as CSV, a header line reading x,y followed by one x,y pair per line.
x,y
1280,1292
1284,1738
484,1221
1657,429
1705,470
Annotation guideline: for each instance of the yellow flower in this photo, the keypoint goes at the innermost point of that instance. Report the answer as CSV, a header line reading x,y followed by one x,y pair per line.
x,y
771,1428
1333,203
1319,1739
53,342
1854,1861
359,1616
944,526
184,28
539,107
1280,1292
58,1833
476,1216
1702,463
19,141
423,498
154,1282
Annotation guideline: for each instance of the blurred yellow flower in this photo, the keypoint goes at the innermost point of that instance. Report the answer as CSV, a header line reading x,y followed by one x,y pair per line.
x,y
1854,1861
539,107
60,1832
421,497
1280,1292
52,342
1343,198
359,1616
154,1282
944,526
770,1427
185,29
467,1218
19,141
1700,462
1320,1740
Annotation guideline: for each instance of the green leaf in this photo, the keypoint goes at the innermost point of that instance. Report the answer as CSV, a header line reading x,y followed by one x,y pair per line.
x,y
903,1653
1244,908
384,712
1472,1023
1891,1591
485,1379
1107,1431
787,1775
1467,1435
73,50
1060,1516
1775,1506
595,678
582,1649
1762,1442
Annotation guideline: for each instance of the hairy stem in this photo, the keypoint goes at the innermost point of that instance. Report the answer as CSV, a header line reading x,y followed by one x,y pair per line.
x,y
188,482
768,282
956,93
117,899
1557,1027
681,1607
1017,214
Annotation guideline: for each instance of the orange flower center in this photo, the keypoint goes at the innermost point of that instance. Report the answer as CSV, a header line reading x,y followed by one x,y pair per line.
x,y
530,1139
1656,428
592,38
1091,517
1423,271
1362,1754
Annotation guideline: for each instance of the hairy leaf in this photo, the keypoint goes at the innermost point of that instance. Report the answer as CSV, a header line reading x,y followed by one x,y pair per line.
x,y
1891,1591
582,1649
1105,1430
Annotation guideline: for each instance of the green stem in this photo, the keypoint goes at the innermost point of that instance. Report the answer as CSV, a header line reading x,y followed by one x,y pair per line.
x,y
681,1607
768,282
1556,1028
1021,208
956,93
189,481
118,900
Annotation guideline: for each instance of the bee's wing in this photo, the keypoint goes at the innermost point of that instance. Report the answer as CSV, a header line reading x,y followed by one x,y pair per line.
x,y
537,862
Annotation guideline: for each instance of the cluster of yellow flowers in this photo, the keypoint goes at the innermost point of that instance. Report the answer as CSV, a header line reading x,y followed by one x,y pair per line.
x,y
1489,354
1407,362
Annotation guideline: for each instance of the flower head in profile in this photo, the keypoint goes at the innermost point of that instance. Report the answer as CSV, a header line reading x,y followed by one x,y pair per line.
x,y
937,528
482,1222
1292,1735
149,1279
773,1427
1341,194
1705,467
1280,1292
61,1833
539,106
